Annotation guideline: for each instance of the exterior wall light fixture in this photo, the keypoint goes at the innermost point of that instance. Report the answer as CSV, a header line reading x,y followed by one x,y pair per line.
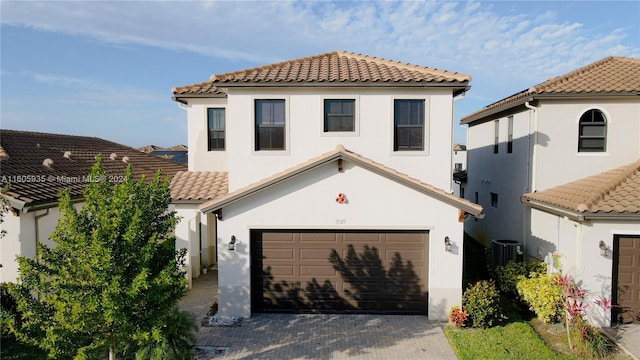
x,y
447,244
603,248
232,243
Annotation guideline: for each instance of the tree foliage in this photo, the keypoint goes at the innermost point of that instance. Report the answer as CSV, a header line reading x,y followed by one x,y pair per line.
x,y
113,279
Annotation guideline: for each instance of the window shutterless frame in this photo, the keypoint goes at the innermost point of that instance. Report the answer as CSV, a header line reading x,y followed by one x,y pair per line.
x,y
408,124
270,124
215,129
339,115
592,132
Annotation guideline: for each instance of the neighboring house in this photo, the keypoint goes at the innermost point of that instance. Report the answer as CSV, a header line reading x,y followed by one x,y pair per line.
x,y
176,153
37,166
338,171
459,169
548,143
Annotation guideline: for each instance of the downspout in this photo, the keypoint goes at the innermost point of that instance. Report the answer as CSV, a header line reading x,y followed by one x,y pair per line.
x,y
535,145
453,112
526,225
183,106
38,217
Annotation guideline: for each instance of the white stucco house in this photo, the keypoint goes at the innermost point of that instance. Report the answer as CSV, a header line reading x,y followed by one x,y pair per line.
x,y
323,184
36,166
556,169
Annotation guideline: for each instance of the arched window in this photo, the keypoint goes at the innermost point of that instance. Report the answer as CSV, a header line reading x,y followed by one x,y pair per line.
x,y
593,132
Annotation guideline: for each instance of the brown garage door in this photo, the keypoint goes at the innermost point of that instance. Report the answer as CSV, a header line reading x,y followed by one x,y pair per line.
x,y
354,271
626,280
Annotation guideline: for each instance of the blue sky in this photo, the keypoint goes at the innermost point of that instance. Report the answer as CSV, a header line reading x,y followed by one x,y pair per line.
x,y
106,68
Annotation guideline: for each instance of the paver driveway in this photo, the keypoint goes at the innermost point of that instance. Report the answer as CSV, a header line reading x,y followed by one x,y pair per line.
x,y
312,336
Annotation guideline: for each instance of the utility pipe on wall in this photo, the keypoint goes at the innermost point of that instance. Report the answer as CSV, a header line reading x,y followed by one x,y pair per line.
x,y
535,145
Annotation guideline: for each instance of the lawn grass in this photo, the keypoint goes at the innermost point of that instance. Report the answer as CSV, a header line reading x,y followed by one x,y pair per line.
x,y
515,339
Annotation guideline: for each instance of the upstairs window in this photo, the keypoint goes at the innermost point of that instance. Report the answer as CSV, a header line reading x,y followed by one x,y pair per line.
x,y
215,124
593,132
339,115
408,120
270,124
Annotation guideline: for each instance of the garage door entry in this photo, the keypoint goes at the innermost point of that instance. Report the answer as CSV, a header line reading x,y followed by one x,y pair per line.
x,y
340,272
626,280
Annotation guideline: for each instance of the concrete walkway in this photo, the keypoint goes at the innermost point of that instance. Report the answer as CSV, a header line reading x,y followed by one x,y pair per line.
x,y
627,337
311,336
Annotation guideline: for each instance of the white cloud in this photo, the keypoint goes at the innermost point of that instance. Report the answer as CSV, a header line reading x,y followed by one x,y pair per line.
x,y
493,41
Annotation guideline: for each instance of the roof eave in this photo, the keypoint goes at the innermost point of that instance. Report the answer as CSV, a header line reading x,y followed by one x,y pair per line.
x,y
576,215
555,210
463,85
492,112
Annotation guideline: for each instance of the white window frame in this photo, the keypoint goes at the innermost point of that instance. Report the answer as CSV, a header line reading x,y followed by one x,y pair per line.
x,y
287,133
356,116
427,125
609,125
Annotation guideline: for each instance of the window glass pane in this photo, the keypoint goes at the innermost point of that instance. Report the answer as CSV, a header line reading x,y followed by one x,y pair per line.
x,y
593,130
596,144
215,123
339,115
270,124
409,124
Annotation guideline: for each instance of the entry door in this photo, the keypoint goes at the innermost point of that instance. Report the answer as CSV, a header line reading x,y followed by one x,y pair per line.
x,y
626,280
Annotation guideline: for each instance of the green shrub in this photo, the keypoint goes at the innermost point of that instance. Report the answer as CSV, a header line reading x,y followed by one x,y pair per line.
x,y
507,276
8,309
590,341
543,297
481,301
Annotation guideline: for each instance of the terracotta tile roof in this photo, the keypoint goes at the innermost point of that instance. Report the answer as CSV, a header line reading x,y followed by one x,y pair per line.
x,y
199,185
333,68
616,191
340,153
70,158
606,77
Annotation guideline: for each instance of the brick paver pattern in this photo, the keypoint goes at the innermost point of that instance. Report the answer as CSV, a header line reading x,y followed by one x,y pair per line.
x,y
318,336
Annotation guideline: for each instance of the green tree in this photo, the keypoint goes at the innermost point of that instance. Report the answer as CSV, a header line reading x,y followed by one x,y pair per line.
x,y
113,280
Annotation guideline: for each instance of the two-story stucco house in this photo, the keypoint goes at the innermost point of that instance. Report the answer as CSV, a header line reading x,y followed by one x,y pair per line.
x,y
556,167
323,184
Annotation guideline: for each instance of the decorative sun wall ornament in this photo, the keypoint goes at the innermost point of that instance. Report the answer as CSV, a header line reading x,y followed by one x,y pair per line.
x,y
341,199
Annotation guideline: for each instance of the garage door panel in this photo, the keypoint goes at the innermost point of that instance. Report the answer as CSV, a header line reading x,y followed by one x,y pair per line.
x,y
314,254
317,270
277,237
368,267
369,238
318,237
273,254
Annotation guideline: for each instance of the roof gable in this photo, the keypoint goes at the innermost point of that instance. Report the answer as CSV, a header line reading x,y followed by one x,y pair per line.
x,y
337,68
615,192
340,153
611,76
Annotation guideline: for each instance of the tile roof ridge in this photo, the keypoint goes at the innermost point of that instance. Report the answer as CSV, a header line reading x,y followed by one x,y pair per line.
x,y
626,172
